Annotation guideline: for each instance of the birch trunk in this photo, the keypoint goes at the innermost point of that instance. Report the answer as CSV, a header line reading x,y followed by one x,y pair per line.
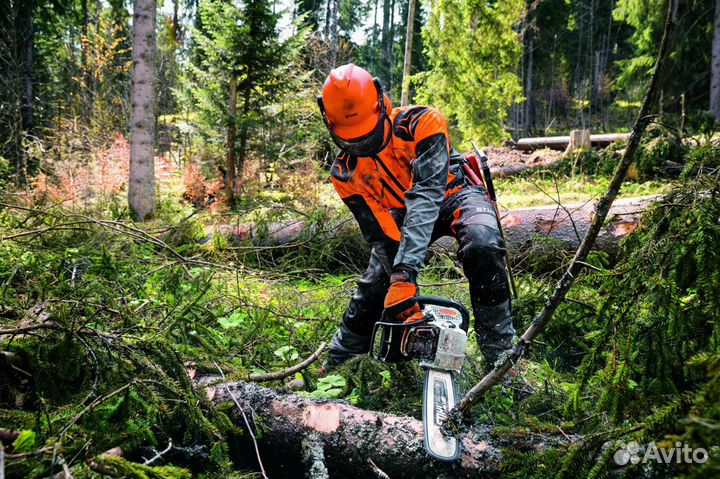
x,y
405,97
141,190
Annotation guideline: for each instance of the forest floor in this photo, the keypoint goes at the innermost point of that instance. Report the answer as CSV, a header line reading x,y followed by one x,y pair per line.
x,y
103,322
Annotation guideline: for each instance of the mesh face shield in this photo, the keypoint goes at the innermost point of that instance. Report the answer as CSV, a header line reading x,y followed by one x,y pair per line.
x,y
371,143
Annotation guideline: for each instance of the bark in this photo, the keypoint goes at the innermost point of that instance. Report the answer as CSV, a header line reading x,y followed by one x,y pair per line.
x,y
407,62
231,133
391,41
602,209
141,189
715,73
348,439
561,142
529,120
16,83
328,10
522,227
374,37
83,60
28,64
511,170
176,21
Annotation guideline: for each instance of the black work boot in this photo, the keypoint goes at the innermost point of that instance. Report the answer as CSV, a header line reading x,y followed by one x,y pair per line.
x,y
494,330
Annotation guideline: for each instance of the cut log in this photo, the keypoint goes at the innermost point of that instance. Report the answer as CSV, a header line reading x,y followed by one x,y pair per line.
x,y
565,225
353,439
561,142
579,140
506,162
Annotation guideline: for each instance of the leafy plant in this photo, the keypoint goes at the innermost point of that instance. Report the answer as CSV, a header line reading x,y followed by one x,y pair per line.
x,y
329,387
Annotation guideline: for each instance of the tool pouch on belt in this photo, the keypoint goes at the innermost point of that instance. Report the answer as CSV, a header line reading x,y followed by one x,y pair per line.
x,y
458,165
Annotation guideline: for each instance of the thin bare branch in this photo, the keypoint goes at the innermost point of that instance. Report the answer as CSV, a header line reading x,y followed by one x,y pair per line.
x,y
289,371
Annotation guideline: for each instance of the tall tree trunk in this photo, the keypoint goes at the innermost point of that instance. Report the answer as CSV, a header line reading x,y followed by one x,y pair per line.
x,y
528,42
16,87
328,12
334,33
385,37
28,70
529,89
390,44
374,37
141,191
407,62
176,21
245,124
715,79
231,133
84,68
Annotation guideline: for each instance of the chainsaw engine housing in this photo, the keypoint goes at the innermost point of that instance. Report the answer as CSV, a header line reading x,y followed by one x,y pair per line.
x,y
438,340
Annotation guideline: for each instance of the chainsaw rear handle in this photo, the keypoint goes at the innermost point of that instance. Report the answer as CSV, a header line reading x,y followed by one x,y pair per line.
x,y
437,301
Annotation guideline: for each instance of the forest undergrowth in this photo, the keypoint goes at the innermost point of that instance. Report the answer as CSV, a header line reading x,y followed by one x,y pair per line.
x,y
104,325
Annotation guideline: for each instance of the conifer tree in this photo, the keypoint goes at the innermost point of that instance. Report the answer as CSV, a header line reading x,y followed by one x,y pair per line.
x,y
238,71
472,49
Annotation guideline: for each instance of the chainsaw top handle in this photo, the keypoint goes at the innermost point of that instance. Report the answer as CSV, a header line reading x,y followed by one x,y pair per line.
x,y
449,303
442,302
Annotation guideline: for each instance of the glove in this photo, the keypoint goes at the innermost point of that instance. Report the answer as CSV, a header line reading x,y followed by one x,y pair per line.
x,y
401,299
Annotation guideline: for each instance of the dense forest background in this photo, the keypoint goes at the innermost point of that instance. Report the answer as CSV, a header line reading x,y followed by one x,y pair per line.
x,y
166,216
241,78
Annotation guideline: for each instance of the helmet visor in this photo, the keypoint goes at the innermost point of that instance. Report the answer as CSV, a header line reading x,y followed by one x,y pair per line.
x,y
369,144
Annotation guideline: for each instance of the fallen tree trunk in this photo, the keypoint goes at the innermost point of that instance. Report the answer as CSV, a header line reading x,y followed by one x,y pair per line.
x,y
300,434
516,169
561,142
565,225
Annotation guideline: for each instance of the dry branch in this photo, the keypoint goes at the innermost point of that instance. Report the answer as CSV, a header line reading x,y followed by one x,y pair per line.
x,y
289,371
602,210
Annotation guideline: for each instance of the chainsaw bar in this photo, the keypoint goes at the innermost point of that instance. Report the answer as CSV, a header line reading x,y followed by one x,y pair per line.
x,y
439,397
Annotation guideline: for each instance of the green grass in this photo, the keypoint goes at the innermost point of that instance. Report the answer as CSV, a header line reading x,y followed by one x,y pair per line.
x,y
522,192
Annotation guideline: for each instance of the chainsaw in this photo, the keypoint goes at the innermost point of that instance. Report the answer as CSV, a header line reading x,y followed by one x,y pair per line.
x,y
438,340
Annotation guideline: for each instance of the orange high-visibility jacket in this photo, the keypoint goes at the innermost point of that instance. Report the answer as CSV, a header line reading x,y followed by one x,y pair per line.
x,y
410,174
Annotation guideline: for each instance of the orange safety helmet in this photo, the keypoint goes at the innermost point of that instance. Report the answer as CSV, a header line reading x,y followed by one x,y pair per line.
x,y
354,109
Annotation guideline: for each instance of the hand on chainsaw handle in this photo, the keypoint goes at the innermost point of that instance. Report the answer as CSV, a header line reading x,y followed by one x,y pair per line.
x,y
401,302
